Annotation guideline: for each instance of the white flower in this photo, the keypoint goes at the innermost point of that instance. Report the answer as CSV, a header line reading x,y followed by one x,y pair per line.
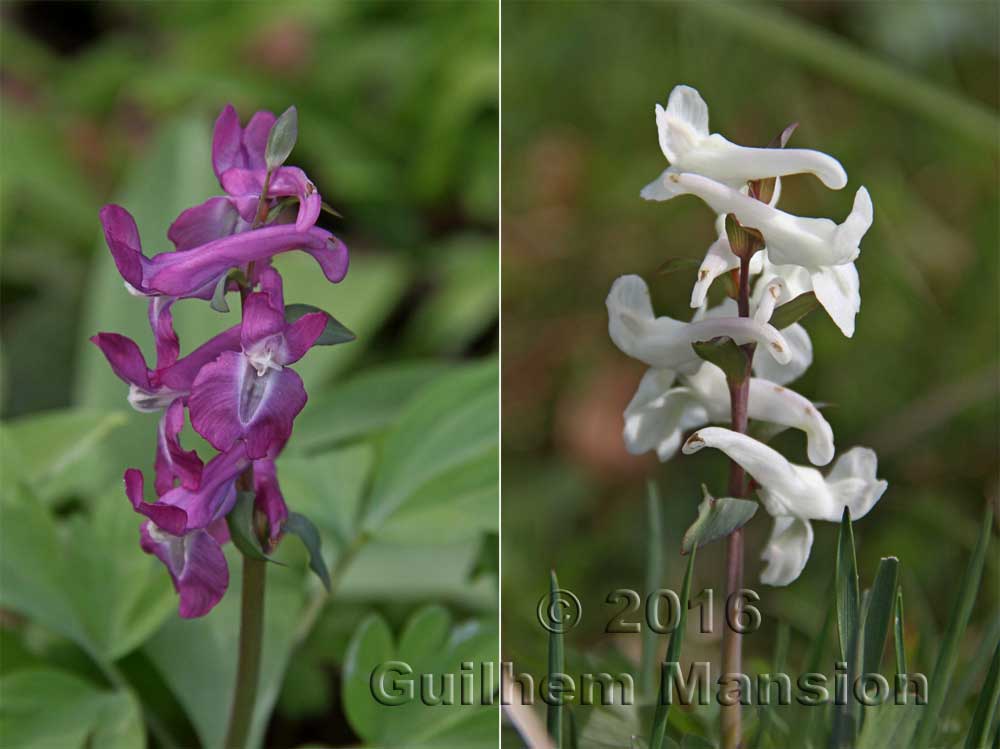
x,y
665,343
837,288
659,414
688,146
795,494
720,259
813,243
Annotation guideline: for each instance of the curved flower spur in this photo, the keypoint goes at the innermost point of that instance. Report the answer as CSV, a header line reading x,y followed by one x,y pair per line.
x,y
237,389
731,362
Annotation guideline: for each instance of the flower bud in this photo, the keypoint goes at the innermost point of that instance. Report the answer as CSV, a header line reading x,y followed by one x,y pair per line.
x,y
743,240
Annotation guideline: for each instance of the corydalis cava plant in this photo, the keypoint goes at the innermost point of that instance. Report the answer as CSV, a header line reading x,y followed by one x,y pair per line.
x,y
729,364
237,389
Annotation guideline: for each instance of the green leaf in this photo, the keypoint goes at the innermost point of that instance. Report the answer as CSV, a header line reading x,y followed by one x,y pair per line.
x,y
878,614
46,708
794,310
989,697
557,665
849,627
370,647
303,527
897,635
725,354
241,527
767,711
281,139
947,659
654,581
659,729
452,423
335,331
717,518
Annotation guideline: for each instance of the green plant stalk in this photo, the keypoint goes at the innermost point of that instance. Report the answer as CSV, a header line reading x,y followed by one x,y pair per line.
x,y
557,665
248,667
730,716
654,577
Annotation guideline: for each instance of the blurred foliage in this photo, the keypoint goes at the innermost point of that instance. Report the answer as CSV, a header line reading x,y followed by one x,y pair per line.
x,y
906,96
395,456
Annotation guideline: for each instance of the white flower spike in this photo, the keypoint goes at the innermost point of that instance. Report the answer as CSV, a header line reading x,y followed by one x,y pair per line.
x,y
688,146
800,493
659,415
665,343
813,243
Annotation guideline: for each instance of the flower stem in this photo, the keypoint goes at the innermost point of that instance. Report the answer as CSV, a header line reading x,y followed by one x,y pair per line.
x,y
732,641
248,668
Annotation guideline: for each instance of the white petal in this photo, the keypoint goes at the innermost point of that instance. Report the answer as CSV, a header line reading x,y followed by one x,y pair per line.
x,y
658,415
787,550
666,343
775,293
659,189
801,351
718,260
683,124
854,483
791,240
779,405
838,289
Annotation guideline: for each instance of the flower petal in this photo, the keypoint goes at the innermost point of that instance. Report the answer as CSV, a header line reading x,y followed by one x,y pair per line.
x,y
302,334
787,550
779,405
122,237
172,461
214,219
255,139
161,320
658,415
196,565
171,519
125,358
800,358
718,260
269,498
683,124
180,375
854,483
838,289
290,180
665,343
227,141
230,401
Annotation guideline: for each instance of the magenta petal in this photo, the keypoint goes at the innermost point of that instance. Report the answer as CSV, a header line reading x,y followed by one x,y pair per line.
x,y
332,257
226,141
173,462
196,565
269,498
180,376
161,320
214,219
230,401
255,139
122,236
171,519
242,182
185,273
290,180
261,318
125,358
302,334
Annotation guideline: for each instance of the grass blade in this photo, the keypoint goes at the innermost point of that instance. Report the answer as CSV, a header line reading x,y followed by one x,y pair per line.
x,y
849,628
780,655
898,634
557,665
879,613
654,579
982,719
659,729
944,667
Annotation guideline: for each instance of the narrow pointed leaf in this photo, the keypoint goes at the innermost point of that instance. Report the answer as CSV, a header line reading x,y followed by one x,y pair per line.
x,y
878,614
989,696
717,518
654,580
301,526
725,354
944,667
897,635
281,139
557,665
327,208
849,628
767,711
335,331
659,729
794,310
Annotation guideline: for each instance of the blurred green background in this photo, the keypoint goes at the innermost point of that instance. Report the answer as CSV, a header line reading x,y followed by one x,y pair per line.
x,y
394,457
905,95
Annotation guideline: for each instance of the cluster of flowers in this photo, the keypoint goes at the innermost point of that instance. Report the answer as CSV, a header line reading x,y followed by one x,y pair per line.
x,y
791,256
237,388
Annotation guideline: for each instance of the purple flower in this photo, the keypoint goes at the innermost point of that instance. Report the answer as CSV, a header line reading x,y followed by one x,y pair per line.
x,y
185,529
251,394
195,272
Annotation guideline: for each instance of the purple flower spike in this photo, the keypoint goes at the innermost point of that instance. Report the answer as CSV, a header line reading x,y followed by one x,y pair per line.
x,y
195,272
234,147
206,222
172,461
195,562
245,186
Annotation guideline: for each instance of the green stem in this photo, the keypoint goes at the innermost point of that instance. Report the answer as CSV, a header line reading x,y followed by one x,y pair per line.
x,y
248,668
